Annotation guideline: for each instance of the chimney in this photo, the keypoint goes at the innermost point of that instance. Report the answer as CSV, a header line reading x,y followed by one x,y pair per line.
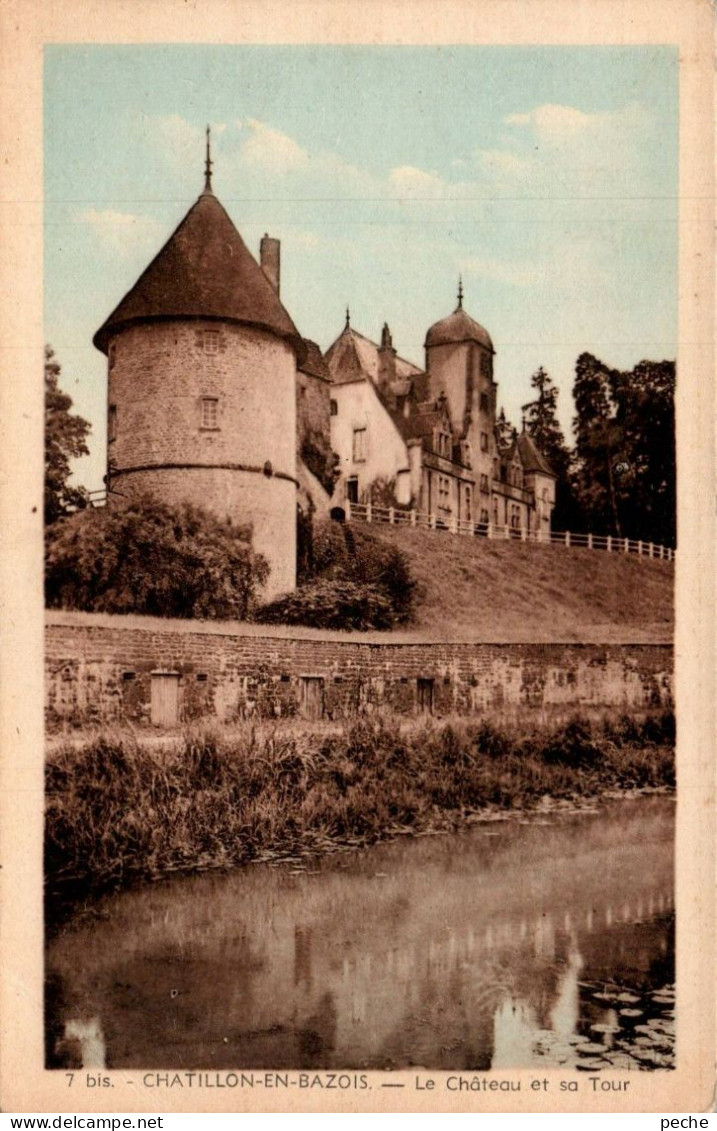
x,y
386,363
270,258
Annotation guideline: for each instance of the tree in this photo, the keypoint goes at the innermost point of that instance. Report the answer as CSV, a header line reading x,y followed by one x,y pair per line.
x,y
625,448
541,422
65,435
505,430
148,557
645,414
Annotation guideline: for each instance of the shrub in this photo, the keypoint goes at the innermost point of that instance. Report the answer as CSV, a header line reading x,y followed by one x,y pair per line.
x,y
147,557
574,745
353,555
331,604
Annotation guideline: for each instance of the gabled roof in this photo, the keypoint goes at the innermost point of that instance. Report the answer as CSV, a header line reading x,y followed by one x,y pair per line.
x,y
531,457
204,270
353,357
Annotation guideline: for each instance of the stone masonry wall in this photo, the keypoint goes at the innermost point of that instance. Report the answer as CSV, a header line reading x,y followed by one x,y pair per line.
x,y
98,669
161,377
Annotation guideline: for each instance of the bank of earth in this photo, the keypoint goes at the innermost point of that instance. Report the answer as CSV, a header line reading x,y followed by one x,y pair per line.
x,y
120,810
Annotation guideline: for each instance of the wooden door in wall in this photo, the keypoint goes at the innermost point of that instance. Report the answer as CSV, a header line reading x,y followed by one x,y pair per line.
x,y
312,697
165,699
424,696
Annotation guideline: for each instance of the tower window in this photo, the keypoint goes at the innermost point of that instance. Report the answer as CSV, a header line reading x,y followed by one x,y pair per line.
x,y
484,441
359,448
484,402
334,407
112,422
210,413
211,341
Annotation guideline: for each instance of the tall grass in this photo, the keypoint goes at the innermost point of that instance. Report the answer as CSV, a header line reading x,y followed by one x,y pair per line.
x,y
119,811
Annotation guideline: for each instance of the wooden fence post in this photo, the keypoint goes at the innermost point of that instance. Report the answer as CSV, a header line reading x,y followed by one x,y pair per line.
x,y
368,511
567,537
390,516
348,510
413,516
609,544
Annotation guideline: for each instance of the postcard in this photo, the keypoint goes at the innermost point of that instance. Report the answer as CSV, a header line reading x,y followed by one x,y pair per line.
x,y
357,659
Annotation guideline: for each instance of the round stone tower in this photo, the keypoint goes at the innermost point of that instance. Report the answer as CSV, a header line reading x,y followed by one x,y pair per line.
x,y
202,363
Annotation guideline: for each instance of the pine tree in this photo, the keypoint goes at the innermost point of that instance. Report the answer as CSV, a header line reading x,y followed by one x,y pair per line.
x,y
541,422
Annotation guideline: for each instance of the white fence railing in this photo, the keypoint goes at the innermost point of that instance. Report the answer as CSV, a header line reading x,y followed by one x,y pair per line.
x,y
398,516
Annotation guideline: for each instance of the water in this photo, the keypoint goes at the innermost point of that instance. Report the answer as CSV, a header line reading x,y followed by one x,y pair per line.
x,y
542,941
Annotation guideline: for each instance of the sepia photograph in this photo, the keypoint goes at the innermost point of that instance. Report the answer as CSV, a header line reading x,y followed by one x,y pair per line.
x,y
360,708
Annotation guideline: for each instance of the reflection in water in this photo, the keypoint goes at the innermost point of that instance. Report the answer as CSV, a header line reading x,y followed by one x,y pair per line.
x,y
468,951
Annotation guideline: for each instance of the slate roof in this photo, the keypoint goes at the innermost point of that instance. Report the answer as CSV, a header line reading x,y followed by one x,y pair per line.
x,y
314,363
353,357
531,457
458,327
204,270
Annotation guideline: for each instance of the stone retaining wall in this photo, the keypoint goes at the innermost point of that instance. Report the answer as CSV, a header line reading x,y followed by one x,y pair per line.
x,y
100,669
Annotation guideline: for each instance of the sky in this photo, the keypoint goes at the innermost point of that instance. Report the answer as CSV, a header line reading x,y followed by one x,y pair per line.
x,y
545,176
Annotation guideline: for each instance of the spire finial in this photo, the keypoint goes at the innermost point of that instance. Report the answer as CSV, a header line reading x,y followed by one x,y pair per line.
x,y
460,293
348,319
208,163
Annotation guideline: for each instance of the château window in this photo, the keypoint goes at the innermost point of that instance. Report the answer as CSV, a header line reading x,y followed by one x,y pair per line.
x,y
211,341
334,407
112,423
359,447
484,402
444,492
484,515
484,484
210,413
484,441
485,364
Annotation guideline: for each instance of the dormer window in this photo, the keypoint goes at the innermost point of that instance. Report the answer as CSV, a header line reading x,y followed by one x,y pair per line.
x,y
443,444
210,413
211,341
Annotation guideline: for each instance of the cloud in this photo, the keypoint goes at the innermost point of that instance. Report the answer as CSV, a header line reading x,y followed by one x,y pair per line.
x,y
555,122
270,150
407,181
563,266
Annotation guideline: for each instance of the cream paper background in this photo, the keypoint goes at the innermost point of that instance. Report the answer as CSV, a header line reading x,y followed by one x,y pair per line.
x,y
25,26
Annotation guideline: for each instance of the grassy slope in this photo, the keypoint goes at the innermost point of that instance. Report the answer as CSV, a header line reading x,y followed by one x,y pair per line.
x,y
471,588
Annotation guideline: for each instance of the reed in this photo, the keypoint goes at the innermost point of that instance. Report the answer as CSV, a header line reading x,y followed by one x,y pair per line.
x,y
120,810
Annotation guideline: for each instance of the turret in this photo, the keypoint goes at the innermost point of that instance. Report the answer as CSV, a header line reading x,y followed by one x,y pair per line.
x,y
202,362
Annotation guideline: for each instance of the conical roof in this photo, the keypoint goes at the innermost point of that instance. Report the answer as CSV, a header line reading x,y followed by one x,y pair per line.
x,y
531,457
458,327
204,270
